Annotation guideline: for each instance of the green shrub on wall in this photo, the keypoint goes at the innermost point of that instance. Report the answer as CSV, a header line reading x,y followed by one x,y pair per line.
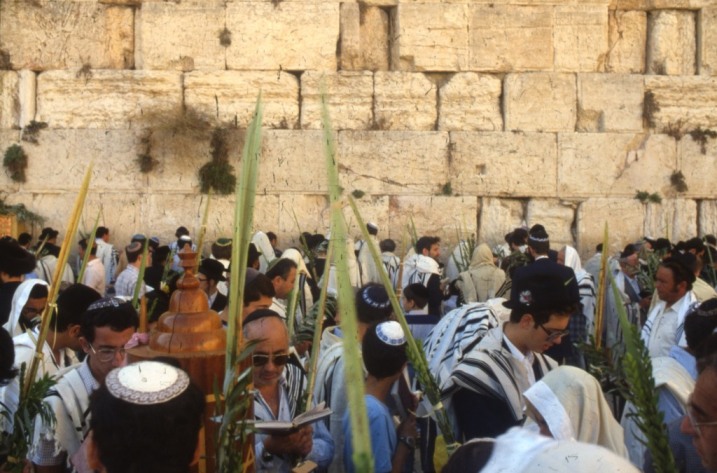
x,y
15,163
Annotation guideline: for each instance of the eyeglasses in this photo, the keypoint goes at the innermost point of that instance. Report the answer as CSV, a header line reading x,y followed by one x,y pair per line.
x,y
554,334
697,426
260,359
105,355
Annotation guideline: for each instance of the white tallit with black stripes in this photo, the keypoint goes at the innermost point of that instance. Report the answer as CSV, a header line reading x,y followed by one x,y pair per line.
x,y
491,370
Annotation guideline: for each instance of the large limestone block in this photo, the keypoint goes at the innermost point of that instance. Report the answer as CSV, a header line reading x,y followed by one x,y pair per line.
x,y
221,216
429,37
658,4
27,94
503,164
282,35
682,102
378,162
674,219
498,217
404,101
349,96
166,211
9,99
540,102
292,161
581,38
230,96
610,102
470,102
696,161
611,164
708,217
625,219
628,39
7,139
60,158
179,157
373,209
109,99
364,38
672,42
42,35
556,216
442,216
181,35
313,212
708,51
508,38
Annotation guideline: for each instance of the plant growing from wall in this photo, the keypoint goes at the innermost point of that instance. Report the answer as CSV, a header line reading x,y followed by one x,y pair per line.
x,y
145,160
20,212
645,197
218,174
358,193
677,181
15,162
702,136
649,108
31,131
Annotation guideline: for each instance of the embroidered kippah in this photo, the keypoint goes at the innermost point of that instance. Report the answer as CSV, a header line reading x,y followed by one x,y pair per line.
x,y
147,382
106,302
369,293
390,333
135,247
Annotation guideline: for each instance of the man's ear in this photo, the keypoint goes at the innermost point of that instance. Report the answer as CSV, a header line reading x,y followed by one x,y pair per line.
x,y
93,455
85,345
74,331
526,321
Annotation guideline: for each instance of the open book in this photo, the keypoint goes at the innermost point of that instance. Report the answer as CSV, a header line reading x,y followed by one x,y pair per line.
x,y
280,427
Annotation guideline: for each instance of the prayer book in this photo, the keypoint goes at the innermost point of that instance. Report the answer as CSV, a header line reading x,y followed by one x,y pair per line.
x,y
278,427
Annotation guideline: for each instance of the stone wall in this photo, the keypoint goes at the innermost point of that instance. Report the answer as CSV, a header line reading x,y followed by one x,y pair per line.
x,y
465,116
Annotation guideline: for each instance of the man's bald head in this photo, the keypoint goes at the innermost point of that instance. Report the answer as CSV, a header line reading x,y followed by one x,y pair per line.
x,y
263,327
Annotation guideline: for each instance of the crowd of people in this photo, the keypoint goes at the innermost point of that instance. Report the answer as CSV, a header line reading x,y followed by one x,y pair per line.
x,y
529,371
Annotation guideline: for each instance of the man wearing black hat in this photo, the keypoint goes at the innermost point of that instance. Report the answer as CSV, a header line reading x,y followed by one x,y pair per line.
x,y
15,262
209,275
485,389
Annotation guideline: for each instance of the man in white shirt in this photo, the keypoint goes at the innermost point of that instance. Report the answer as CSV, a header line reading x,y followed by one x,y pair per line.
x,y
282,274
665,323
106,253
94,276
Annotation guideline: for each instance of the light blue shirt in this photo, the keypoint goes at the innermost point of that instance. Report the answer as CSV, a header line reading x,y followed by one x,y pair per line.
x,y
383,436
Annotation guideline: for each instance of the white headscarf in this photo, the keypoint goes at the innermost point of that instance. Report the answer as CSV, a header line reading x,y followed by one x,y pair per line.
x,y
19,299
295,256
573,405
262,243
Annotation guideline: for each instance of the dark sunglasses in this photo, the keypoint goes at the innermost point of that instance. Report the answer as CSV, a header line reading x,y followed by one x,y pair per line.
x,y
554,334
261,359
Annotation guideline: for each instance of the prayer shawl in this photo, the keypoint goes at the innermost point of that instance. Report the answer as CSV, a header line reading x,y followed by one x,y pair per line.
x,y
660,333
482,281
305,300
586,287
573,405
392,263
46,267
668,374
108,255
353,270
70,402
419,269
613,331
368,270
491,370
19,299
262,243
458,261
702,290
522,451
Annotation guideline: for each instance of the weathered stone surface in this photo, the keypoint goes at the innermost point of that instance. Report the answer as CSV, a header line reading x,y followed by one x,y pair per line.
x,y
672,42
404,101
9,99
441,216
470,102
181,35
683,102
557,218
658,4
7,139
67,35
675,219
697,166
312,211
611,164
292,162
511,38
708,51
625,219
221,216
230,96
610,102
540,102
498,217
372,209
179,158
288,36
708,217
109,99
27,94
628,39
503,164
392,162
581,38
364,38
350,99
431,38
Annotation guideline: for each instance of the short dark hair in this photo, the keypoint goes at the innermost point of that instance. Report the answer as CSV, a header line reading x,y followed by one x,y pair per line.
x,y
518,236
133,252
282,267
110,312
222,249
260,286
160,437
681,271
83,245
696,244
598,248
372,304
71,306
372,229
271,236
181,231
38,291
538,239
700,322
101,231
24,238
381,359
7,358
387,245
710,239
426,242
417,293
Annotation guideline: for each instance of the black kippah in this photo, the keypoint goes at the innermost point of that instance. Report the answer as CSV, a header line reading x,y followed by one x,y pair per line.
x,y
260,314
